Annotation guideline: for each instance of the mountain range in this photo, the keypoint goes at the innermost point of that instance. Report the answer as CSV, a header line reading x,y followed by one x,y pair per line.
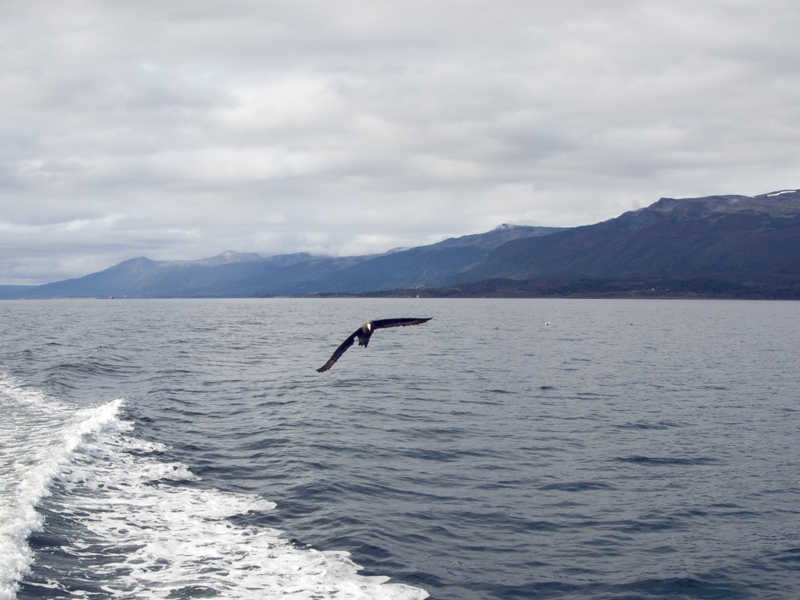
x,y
716,246
235,274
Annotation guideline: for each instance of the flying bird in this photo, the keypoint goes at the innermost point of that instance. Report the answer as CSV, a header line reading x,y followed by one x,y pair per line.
x,y
364,332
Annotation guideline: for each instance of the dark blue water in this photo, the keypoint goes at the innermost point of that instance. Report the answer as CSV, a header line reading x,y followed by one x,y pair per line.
x,y
629,449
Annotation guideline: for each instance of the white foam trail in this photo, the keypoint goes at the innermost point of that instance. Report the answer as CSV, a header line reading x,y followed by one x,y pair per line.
x,y
37,436
179,539
145,529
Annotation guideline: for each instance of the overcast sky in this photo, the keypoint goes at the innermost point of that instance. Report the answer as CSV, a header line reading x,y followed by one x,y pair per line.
x,y
179,129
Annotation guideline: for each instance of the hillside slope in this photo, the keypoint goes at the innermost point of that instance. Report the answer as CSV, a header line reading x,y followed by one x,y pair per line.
x,y
719,235
422,266
234,274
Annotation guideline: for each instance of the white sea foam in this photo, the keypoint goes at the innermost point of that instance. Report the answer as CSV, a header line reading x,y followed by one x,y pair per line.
x,y
37,436
146,529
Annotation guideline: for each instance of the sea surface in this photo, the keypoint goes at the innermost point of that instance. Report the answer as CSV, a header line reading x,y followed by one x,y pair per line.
x,y
506,449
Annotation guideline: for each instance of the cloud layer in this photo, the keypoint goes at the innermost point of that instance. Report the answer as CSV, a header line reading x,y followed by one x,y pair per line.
x,y
182,129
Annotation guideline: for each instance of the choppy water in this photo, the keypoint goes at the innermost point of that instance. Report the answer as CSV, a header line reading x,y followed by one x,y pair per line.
x,y
188,449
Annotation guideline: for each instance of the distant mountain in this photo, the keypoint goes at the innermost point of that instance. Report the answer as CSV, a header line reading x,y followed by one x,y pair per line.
x,y
716,246
228,274
233,274
716,236
422,266
14,291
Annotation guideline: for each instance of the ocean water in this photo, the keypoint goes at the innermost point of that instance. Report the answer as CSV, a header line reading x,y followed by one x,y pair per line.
x,y
189,449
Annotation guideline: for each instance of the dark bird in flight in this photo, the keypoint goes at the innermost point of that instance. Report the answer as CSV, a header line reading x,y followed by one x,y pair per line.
x,y
364,332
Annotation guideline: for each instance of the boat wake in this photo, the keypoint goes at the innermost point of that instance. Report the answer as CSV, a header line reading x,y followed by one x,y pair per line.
x,y
131,523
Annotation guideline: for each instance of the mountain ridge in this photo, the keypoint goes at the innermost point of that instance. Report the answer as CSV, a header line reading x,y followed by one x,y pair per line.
x,y
712,246
235,274
693,236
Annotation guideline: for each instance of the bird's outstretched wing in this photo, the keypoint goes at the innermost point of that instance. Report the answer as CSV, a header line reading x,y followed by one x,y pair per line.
x,y
380,324
384,323
339,351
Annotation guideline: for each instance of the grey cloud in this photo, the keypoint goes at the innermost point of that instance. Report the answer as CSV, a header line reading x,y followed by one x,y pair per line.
x,y
181,129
